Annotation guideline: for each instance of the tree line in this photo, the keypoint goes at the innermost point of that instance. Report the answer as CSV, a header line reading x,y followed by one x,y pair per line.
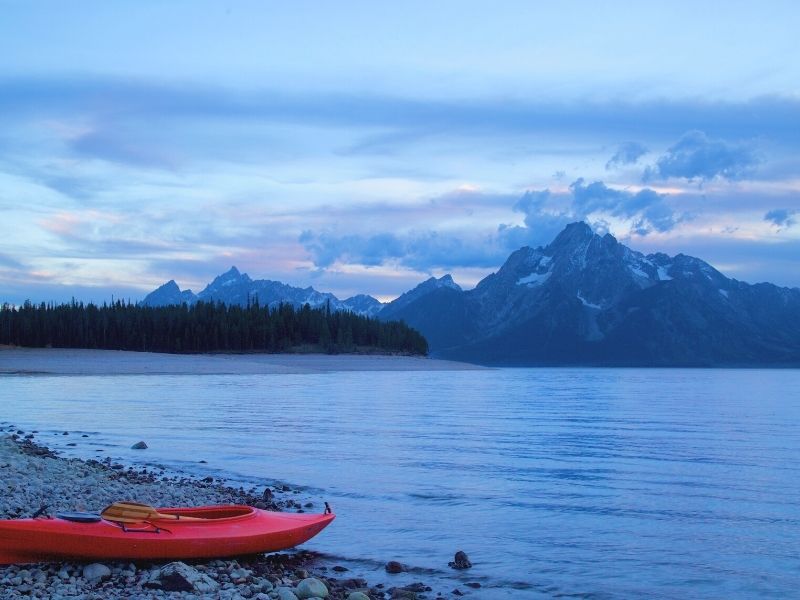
x,y
203,327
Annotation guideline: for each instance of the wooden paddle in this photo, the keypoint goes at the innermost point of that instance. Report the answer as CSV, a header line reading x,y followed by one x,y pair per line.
x,y
135,512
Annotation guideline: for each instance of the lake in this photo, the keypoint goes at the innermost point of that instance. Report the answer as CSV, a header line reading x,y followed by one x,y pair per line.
x,y
602,483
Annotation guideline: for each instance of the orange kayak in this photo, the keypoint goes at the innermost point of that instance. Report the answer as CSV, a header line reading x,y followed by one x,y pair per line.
x,y
214,532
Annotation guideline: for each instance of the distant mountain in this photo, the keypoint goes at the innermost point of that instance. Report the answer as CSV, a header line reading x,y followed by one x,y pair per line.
x,y
423,289
233,287
587,299
169,293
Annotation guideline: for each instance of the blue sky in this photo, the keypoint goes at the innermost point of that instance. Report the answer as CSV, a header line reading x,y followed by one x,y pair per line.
x,y
362,146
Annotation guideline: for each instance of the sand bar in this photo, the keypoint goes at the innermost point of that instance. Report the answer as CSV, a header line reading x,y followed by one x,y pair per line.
x,y
58,361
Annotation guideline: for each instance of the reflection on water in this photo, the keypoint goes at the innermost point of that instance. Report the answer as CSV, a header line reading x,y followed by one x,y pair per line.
x,y
604,482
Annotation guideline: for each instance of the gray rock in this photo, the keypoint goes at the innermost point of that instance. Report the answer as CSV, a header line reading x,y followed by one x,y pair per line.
x,y
139,446
358,596
96,572
240,574
180,577
311,587
285,593
461,561
395,567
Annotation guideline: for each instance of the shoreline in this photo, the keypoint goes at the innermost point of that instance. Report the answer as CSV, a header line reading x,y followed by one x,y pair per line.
x,y
64,361
33,476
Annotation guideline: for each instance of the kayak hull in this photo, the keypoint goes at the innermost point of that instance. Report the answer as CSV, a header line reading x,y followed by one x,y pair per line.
x,y
221,531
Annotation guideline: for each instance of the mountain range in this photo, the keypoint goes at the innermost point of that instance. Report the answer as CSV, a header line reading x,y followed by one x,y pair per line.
x,y
584,299
233,287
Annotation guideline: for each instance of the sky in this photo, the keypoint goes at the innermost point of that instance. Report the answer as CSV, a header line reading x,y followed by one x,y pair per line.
x,y
362,147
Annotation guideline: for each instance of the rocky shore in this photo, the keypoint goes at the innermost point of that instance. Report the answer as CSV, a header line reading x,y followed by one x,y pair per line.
x,y
33,477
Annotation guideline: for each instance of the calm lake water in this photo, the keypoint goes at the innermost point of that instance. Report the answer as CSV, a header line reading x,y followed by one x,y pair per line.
x,y
602,483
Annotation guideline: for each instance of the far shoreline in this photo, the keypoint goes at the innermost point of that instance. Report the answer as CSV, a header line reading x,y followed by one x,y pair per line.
x,y
68,361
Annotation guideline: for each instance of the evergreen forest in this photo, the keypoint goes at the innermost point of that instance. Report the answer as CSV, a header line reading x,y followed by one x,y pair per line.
x,y
203,327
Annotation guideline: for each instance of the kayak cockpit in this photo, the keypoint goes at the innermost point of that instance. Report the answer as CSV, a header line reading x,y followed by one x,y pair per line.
x,y
211,513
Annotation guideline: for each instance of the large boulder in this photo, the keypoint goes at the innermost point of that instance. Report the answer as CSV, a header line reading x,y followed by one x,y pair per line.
x,y
180,577
460,561
395,567
311,587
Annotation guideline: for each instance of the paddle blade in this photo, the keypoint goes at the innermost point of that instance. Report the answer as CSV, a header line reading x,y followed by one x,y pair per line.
x,y
129,512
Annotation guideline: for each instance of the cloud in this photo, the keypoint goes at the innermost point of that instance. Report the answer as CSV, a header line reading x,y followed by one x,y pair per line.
x,y
698,157
93,233
114,147
255,167
10,262
421,251
372,250
646,206
547,212
545,216
781,217
385,122
627,154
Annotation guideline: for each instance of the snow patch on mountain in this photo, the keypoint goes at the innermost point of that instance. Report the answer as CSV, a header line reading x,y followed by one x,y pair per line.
x,y
662,274
588,304
534,279
638,272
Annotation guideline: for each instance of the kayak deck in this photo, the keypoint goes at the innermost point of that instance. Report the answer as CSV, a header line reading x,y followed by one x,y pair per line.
x,y
221,531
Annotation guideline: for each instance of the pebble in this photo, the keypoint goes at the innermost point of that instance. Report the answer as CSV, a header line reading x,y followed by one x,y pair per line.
x,y
96,572
285,593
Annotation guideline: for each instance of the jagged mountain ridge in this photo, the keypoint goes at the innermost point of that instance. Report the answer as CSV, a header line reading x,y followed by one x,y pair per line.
x,y
233,287
587,299
584,299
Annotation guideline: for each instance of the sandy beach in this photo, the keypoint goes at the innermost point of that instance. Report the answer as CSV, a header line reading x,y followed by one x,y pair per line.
x,y
32,476
57,361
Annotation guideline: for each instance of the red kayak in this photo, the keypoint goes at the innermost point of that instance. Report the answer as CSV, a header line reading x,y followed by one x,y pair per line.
x,y
208,532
